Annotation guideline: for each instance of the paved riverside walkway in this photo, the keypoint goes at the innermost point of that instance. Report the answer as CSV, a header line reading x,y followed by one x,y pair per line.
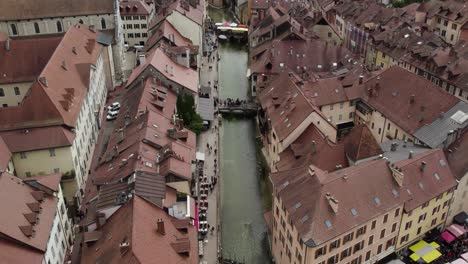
x,y
208,77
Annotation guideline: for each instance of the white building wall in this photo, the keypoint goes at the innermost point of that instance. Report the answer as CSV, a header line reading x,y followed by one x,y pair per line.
x,y
61,236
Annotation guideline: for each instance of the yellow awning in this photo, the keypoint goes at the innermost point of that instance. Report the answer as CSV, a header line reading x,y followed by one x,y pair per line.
x,y
418,246
414,257
431,256
435,245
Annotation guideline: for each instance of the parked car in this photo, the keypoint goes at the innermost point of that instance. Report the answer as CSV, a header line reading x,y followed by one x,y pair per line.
x,y
111,115
114,106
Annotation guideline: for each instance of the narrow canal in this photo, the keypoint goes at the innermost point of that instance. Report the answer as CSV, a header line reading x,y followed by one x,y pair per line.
x,y
243,227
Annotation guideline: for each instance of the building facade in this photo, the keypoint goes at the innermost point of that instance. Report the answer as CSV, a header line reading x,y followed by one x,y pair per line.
x,y
136,17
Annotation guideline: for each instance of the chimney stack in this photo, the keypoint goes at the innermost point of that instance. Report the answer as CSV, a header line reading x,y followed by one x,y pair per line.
x,y
121,135
412,97
361,79
116,151
187,57
423,165
160,227
7,44
393,146
410,155
314,147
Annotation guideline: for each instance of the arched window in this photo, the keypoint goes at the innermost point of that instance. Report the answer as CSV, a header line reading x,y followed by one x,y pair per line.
x,y
103,23
14,31
81,21
36,28
59,26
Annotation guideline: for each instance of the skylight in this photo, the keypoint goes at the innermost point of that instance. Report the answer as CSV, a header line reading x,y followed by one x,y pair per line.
x,y
442,163
436,175
304,218
328,224
395,192
298,205
354,212
377,200
421,185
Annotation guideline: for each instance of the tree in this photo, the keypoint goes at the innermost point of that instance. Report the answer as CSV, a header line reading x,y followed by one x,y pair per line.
x,y
186,110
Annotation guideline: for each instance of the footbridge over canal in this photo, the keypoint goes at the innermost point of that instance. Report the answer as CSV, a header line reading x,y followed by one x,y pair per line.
x,y
247,108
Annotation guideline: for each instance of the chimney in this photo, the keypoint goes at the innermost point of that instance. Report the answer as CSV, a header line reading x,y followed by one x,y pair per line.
x,y
423,165
393,146
142,59
187,57
314,147
411,100
123,162
410,155
361,79
160,227
7,44
43,81
124,247
332,202
167,68
116,151
121,135
172,71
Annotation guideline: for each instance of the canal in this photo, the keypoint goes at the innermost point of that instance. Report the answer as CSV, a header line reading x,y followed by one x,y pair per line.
x,y
243,236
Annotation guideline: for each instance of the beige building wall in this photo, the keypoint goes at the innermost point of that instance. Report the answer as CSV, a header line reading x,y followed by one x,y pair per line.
x,y
447,29
13,93
338,113
276,147
381,127
375,240
424,218
136,29
188,29
460,197
55,25
41,162
326,33
340,26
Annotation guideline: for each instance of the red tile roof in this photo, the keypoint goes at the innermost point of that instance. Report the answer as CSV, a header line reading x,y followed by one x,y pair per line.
x,y
393,94
135,8
5,155
135,223
173,71
27,9
361,144
326,155
170,33
51,181
11,252
49,101
38,138
457,154
285,105
26,58
371,191
16,199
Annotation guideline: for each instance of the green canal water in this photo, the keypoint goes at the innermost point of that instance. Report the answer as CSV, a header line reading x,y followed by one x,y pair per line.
x,y
242,203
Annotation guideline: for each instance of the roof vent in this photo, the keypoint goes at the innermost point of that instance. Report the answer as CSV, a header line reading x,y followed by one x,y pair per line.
x,y
124,247
410,154
74,50
27,230
423,165
43,81
160,227
412,97
64,65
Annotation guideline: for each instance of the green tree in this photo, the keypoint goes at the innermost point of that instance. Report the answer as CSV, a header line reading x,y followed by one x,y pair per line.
x,y
186,110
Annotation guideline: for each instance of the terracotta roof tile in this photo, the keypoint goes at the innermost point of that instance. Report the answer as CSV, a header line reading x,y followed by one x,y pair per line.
x,y
361,144
457,154
135,223
50,102
27,9
16,199
173,71
135,8
38,138
393,98
5,155
26,58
